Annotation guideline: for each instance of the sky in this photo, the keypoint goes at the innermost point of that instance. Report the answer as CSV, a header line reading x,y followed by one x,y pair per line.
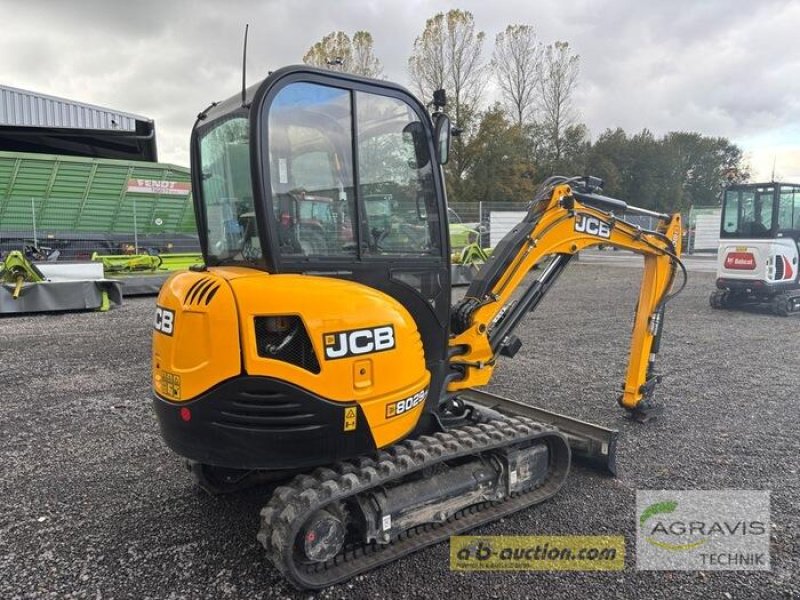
x,y
728,68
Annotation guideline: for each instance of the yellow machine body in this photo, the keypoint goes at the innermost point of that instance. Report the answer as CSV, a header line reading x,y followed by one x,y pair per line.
x,y
321,328
365,343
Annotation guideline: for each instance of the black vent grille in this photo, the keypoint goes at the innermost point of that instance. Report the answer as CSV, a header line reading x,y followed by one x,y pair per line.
x,y
285,338
779,267
202,291
268,412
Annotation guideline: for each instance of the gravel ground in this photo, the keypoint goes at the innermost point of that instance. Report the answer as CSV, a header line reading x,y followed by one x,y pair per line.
x,y
93,504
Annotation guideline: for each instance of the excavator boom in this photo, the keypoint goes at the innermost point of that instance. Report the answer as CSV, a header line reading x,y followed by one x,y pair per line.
x,y
565,218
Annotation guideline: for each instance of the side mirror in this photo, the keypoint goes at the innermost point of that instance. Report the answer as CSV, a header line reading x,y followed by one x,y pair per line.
x,y
442,137
414,135
439,98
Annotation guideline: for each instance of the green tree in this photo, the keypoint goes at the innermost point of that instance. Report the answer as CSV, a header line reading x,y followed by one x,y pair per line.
x,y
364,61
337,52
517,62
606,160
500,170
447,55
558,78
702,165
575,146
666,174
333,51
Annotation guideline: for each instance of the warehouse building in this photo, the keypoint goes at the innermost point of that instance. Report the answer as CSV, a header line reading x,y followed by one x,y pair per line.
x,y
81,179
38,123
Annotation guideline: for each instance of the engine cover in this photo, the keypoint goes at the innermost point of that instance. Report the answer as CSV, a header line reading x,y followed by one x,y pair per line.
x,y
329,340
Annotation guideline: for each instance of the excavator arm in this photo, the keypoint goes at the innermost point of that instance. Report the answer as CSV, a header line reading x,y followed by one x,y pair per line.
x,y
566,217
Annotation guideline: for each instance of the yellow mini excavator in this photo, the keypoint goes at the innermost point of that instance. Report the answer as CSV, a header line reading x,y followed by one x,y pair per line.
x,y
318,346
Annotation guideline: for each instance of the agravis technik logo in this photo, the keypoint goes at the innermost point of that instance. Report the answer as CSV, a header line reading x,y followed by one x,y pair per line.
x,y
715,529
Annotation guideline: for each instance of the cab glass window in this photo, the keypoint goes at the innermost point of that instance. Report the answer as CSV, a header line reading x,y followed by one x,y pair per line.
x,y
310,154
789,208
395,172
748,213
763,221
730,219
227,195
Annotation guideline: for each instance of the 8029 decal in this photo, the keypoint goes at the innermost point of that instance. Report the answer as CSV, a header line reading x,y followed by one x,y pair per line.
x,y
401,407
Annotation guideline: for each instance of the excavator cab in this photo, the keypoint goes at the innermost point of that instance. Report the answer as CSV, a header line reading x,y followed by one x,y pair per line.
x,y
366,147
317,328
365,150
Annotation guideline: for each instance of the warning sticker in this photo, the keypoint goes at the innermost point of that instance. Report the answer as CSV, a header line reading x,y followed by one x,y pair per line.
x,y
350,414
169,385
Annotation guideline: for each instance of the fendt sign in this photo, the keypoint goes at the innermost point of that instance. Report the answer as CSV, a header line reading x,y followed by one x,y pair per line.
x,y
154,186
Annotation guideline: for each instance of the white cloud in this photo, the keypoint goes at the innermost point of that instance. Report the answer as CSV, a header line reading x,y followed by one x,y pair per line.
x,y
720,67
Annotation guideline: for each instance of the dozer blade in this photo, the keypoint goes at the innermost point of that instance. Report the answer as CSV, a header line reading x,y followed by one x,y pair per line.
x,y
593,444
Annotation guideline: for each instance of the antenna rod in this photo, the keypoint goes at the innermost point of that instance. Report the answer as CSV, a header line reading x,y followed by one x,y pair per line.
x,y
244,65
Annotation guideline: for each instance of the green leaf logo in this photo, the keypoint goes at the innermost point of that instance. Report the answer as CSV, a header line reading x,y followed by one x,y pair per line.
x,y
657,509
660,508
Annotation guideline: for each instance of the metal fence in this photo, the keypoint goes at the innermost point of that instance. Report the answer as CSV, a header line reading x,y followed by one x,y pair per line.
x,y
702,226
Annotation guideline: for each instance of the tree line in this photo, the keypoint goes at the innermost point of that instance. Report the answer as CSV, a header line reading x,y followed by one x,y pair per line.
x,y
534,130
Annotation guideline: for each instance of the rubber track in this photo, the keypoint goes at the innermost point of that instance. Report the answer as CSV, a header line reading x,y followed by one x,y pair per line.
x,y
291,505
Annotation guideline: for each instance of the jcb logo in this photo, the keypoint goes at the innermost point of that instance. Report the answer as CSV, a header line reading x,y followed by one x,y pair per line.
x,y
165,320
592,226
358,341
